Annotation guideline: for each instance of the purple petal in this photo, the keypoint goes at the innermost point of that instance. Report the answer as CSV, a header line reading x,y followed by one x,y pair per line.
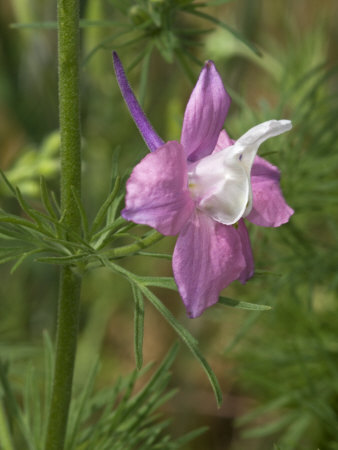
x,y
150,136
157,190
207,258
223,142
205,114
248,271
269,207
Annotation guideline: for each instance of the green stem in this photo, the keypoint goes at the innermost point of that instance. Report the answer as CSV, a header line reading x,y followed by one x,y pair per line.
x,y
127,250
70,283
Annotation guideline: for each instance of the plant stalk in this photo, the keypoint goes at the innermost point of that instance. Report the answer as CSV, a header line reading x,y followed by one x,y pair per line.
x,y
70,283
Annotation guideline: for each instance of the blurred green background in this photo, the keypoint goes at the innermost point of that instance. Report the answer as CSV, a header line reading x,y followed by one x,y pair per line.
x,y
278,369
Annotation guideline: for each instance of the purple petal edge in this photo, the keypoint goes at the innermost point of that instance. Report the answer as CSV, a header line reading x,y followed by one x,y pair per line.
x,y
149,135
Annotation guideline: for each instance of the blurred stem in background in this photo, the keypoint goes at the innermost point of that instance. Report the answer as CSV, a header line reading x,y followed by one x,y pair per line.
x,y
69,295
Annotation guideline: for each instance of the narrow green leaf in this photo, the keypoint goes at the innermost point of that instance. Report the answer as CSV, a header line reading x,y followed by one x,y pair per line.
x,y
104,208
55,202
219,2
77,414
102,44
184,334
23,203
136,61
159,379
294,432
62,259
138,325
82,213
221,24
187,338
23,257
271,427
269,407
48,378
190,436
34,215
226,301
46,201
119,224
163,282
12,405
19,221
156,255
6,442
8,183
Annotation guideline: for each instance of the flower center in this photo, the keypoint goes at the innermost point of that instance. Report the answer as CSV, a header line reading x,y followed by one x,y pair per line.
x,y
219,186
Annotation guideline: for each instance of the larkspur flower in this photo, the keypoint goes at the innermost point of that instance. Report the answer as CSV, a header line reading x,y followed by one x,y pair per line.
x,y
202,188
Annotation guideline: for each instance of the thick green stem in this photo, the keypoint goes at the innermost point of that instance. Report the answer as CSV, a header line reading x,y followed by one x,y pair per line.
x,y
68,313
70,283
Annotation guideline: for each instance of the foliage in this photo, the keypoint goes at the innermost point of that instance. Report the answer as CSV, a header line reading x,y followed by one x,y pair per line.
x,y
115,417
291,363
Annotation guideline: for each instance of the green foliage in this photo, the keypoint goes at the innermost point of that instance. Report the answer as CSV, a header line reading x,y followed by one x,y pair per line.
x,y
33,163
290,362
151,24
111,418
47,234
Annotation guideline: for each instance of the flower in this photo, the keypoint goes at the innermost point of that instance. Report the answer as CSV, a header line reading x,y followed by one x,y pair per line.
x,y
202,188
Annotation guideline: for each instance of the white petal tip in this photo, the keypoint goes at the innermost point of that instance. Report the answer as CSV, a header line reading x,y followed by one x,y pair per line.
x,y
286,124
276,127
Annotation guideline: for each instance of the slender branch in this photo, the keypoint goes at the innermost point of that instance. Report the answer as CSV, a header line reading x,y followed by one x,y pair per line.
x,y
127,250
70,283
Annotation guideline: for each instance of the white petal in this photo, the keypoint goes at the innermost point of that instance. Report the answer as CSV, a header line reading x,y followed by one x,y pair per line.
x,y
220,183
220,186
247,146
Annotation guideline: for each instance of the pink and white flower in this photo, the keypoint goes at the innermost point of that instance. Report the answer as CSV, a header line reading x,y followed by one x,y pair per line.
x,y
202,187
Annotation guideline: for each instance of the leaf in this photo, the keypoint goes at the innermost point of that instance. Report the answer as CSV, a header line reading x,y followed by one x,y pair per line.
x,y
155,255
82,213
25,256
271,427
221,24
187,338
274,405
189,436
8,183
6,442
102,44
45,197
76,416
226,301
163,282
104,208
62,260
49,363
138,325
